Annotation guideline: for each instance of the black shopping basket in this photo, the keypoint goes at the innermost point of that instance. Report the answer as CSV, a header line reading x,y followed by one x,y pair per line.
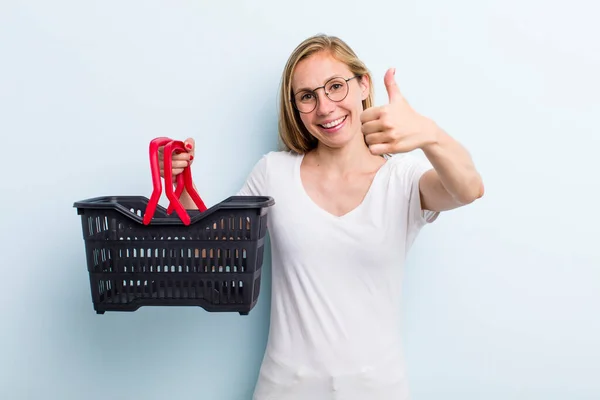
x,y
138,254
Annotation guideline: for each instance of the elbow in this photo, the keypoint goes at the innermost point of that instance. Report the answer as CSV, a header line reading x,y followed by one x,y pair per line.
x,y
472,192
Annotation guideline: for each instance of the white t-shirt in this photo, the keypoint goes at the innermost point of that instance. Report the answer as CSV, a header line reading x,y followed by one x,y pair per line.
x,y
336,284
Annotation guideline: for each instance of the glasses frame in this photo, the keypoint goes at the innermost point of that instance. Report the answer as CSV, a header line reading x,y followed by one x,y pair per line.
x,y
314,92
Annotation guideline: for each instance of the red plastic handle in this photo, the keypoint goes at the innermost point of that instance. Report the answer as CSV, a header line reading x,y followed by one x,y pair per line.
x,y
184,180
170,147
156,182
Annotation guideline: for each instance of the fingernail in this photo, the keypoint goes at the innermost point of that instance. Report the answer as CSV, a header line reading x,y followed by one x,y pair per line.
x,y
191,157
188,146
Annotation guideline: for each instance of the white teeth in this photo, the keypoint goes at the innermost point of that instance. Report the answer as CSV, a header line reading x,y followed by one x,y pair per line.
x,y
334,123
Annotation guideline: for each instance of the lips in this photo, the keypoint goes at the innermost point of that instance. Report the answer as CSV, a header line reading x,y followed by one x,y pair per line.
x,y
334,123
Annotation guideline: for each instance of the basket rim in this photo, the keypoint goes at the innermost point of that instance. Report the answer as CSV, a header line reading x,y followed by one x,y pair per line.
x,y
115,203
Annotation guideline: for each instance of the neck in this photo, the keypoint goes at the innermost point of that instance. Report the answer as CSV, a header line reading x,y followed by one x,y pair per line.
x,y
352,157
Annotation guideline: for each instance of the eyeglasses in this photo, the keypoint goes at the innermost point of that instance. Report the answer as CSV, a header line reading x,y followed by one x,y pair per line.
x,y
336,89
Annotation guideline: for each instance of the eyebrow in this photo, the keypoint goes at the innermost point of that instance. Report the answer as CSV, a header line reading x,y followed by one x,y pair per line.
x,y
326,80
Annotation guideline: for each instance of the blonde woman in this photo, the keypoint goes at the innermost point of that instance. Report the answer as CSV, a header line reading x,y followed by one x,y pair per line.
x,y
350,201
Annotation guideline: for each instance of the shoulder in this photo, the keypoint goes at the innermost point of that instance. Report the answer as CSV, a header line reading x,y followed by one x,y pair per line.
x,y
274,160
407,164
281,156
406,169
266,172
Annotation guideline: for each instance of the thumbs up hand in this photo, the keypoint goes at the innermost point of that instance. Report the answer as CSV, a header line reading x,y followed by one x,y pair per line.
x,y
394,127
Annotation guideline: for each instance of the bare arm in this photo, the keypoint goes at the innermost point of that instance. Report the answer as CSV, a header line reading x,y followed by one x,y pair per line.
x,y
454,181
186,200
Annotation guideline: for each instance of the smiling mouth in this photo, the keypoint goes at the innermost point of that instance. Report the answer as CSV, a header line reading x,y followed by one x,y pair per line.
x,y
333,124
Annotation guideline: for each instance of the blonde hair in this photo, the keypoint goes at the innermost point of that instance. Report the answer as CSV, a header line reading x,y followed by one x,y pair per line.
x,y
292,133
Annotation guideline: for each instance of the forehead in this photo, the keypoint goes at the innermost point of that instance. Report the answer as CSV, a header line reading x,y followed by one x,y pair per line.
x,y
315,70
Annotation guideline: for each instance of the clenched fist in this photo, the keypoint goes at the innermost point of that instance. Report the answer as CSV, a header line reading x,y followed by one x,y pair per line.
x,y
181,160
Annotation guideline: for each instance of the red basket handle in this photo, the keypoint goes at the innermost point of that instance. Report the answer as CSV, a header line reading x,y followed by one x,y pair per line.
x,y
177,145
156,182
184,180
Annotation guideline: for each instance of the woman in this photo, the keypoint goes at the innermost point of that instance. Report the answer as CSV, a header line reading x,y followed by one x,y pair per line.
x,y
349,204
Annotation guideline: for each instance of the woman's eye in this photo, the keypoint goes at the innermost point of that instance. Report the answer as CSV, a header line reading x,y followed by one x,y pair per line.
x,y
306,97
336,87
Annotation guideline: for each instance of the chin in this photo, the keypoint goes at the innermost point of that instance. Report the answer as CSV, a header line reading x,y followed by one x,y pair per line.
x,y
335,141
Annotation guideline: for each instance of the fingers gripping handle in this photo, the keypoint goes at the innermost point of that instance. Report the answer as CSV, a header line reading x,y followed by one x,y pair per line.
x,y
187,179
184,180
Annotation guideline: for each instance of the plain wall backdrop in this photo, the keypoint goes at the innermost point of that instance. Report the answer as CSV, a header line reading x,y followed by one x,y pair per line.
x,y
501,298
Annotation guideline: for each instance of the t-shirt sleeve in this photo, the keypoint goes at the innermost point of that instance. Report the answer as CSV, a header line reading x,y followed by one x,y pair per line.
x,y
411,170
256,182
418,216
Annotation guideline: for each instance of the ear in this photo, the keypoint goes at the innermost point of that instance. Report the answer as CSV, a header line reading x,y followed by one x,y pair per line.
x,y
365,85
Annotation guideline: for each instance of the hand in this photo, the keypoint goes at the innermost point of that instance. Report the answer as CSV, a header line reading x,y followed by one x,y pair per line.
x,y
394,127
179,160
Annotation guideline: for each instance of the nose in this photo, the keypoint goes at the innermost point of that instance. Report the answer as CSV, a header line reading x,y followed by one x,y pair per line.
x,y
324,104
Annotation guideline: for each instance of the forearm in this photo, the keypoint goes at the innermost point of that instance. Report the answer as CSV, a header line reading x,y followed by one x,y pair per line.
x,y
186,200
453,165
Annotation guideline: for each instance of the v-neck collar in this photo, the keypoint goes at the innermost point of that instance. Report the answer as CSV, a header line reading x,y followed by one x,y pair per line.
x,y
313,204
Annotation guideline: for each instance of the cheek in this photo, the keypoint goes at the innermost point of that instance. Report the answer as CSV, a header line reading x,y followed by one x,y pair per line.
x,y
305,118
354,104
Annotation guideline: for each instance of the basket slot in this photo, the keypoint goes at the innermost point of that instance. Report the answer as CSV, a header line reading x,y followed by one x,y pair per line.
x,y
136,211
207,294
228,261
217,265
101,260
185,292
128,289
228,295
193,289
97,224
237,227
124,292
242,259
242,227
217,292
116,291
160,289
176,289
221,230
231,292
122,296
139,291
248,230
103,287
229,228
132,288
169,289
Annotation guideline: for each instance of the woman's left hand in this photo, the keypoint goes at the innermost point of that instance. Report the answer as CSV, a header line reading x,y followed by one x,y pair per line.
x,y
395,127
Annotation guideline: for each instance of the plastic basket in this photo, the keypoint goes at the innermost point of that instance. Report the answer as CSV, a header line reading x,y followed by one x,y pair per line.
x,y
214,262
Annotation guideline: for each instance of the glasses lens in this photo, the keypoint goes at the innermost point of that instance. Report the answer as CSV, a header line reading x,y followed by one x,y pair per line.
x,y
337,89
305,101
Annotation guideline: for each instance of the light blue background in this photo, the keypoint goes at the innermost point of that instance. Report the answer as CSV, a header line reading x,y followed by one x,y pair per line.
x,y
502,298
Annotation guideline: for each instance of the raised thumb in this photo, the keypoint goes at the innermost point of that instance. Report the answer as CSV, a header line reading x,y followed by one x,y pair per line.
x,y
391,86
